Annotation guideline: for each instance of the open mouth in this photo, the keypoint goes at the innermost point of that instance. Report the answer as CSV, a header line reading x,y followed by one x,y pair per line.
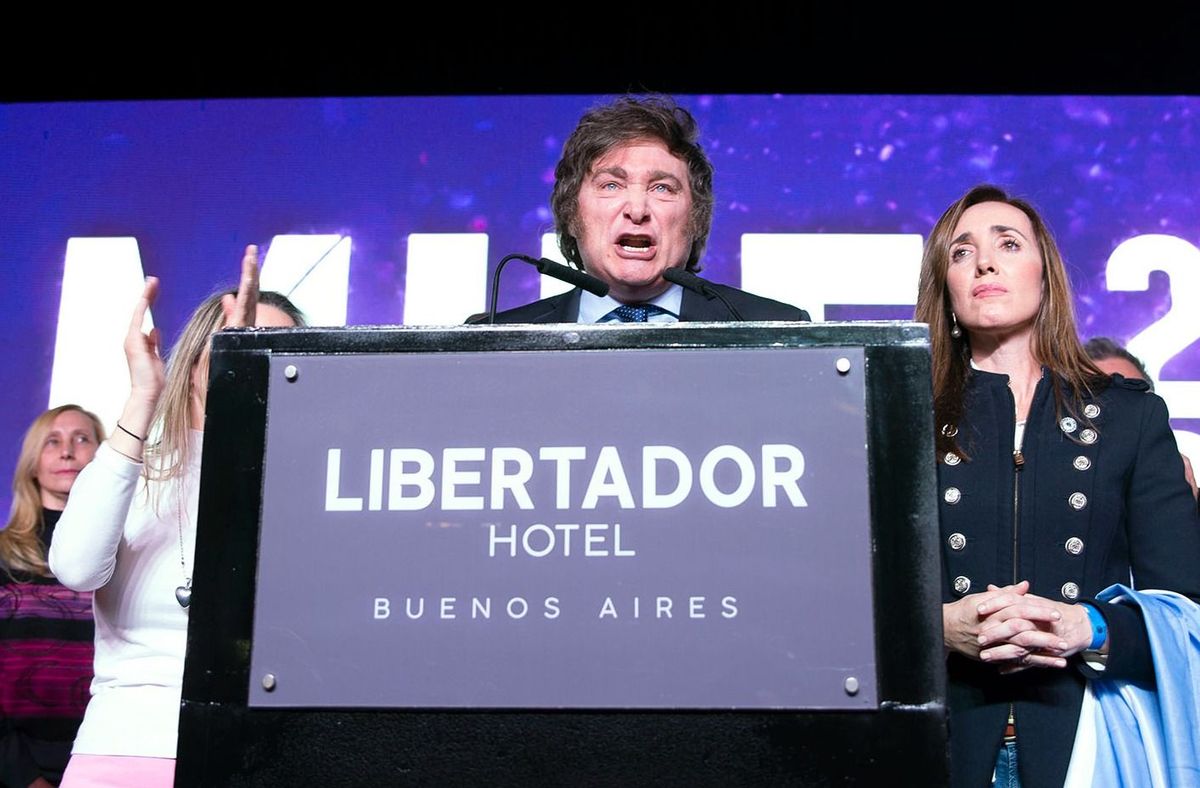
x,y
635,243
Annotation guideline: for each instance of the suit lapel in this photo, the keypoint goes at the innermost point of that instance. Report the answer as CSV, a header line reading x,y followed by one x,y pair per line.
x,y
695,308
562,309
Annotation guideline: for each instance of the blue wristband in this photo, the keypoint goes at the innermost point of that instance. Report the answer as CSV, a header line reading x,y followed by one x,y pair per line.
x,y
1099,626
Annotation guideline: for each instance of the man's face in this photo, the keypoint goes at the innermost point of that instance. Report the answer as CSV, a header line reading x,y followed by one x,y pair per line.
x,y
634,219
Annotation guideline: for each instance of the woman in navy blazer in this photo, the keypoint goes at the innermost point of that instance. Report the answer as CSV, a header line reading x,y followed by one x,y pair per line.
x,y
1054,480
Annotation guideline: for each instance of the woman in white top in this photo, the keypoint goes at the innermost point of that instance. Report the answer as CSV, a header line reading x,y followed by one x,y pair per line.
x,y
128,534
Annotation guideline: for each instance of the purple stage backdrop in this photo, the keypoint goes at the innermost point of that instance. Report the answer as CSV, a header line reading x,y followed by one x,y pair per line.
x,y
394,210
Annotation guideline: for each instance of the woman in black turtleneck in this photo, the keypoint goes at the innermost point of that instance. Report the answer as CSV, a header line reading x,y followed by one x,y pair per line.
x,y
45,629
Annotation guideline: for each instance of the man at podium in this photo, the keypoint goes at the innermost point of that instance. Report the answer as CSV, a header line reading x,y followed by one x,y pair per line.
x,y
633,197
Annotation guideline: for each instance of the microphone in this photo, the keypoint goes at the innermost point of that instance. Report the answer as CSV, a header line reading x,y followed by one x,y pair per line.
x,y
566,273
549,268
703,287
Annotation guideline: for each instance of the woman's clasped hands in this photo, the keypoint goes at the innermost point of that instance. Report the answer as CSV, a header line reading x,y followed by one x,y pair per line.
x,y
1014,629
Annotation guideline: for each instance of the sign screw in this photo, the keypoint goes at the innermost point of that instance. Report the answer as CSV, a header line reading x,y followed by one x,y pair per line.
x,y
291,373
843,365
268,682
851,685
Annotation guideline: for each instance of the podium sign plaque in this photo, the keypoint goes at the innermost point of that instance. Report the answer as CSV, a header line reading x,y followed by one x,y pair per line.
x,y
660,529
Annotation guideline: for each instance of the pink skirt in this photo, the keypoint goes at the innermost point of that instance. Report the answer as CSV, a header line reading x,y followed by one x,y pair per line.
x,y
118,771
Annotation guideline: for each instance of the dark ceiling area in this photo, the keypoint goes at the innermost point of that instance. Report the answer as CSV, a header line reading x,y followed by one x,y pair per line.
x,y
726,49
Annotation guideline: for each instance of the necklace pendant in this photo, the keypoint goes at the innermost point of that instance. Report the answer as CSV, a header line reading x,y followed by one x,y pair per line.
x,y
183,594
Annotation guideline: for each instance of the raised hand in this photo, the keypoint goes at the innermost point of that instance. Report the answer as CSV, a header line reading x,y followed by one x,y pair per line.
x,y
146,378
240,310
146,375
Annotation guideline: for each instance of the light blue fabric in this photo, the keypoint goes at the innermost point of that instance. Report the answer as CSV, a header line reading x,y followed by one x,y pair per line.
x,y
1146,737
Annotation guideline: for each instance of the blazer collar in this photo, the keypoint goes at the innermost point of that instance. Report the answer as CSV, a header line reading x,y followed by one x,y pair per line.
x,y
696,309
561,309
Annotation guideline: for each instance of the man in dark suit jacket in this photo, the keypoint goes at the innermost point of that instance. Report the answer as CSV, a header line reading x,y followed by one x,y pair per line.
x,y
694,307
633,197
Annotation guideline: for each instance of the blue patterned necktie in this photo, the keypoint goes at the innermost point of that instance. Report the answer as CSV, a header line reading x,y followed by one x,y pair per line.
x,y
635,313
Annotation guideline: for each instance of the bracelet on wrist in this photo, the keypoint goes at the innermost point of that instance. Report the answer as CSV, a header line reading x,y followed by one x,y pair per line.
x,y
123,454
1099,626
137,438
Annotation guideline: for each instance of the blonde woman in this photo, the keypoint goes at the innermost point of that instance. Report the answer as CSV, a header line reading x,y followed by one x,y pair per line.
x,y
45,628
129,535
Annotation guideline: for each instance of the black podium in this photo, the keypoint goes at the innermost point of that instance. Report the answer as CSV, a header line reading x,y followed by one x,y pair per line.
x,y
689,554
